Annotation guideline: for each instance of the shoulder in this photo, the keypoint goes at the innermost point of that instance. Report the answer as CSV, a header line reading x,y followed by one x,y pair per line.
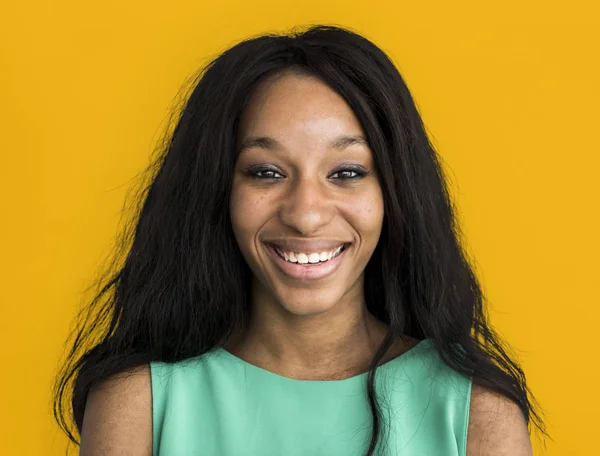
x,y
118,412
497,426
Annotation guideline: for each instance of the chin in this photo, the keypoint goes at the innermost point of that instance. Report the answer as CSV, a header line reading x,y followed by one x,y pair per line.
x,y
311,302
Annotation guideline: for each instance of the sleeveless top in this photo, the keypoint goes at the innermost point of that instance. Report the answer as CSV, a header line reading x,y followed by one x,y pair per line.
x,y
217,404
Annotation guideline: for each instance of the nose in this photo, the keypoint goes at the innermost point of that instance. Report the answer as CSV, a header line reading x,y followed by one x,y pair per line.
x,y
307,207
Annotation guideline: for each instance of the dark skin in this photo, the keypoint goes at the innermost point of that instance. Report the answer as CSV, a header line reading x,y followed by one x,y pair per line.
x,y
318,329
306,328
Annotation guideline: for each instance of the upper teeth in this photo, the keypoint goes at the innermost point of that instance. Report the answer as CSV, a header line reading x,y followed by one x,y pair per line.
x,y
304,258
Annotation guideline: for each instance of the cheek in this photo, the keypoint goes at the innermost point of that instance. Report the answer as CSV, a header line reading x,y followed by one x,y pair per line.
x,y
248,211
368,211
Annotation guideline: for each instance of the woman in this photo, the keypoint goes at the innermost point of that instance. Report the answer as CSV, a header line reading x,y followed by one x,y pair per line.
x,y
295,283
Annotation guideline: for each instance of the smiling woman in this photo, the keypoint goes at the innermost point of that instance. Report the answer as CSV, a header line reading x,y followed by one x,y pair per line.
x,y
305,187
294,266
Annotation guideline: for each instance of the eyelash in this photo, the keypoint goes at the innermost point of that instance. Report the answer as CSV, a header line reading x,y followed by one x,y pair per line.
x,y
359,173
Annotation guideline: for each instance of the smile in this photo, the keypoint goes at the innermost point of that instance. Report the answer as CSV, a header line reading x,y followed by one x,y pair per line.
x,y
309,258
307,265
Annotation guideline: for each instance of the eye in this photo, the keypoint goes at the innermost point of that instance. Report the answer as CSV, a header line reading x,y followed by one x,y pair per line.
x,y
264,173
349,173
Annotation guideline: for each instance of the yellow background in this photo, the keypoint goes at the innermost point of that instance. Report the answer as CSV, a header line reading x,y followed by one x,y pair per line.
x,y
508,90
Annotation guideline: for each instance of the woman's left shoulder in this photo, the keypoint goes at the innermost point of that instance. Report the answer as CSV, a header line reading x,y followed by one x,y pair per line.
x,y
497,426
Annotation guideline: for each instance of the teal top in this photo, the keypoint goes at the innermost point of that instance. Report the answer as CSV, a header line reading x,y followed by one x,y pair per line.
x,y
216,404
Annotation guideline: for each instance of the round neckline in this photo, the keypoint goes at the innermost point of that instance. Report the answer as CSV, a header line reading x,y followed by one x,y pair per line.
x,y
385,365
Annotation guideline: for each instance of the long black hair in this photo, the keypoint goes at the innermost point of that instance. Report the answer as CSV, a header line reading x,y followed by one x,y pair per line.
x,y
180,286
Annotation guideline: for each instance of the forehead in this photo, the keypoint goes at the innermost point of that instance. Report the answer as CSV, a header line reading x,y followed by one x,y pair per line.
x,y
291,103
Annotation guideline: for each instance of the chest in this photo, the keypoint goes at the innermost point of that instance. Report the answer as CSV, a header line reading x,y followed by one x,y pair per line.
x,y
276,421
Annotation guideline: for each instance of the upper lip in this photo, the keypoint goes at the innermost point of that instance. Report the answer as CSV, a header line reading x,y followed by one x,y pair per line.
x,y
317,245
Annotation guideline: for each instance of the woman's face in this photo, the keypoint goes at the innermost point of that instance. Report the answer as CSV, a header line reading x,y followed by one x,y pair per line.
x,y
306,205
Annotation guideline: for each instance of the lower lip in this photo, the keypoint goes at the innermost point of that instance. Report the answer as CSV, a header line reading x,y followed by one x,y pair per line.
x,y
305,272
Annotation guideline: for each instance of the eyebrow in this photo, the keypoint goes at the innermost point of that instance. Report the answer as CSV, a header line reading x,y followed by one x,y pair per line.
x,y
265,142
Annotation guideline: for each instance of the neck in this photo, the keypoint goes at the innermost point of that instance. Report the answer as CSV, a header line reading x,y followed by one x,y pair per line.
x,y
339,343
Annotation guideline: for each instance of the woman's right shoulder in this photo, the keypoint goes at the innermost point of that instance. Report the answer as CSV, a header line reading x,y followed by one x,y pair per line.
x,y
118,415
